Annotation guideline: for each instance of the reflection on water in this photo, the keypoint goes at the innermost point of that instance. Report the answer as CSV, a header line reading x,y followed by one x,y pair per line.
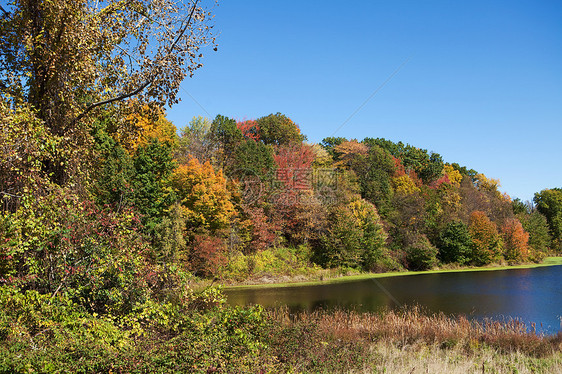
x,y
531,295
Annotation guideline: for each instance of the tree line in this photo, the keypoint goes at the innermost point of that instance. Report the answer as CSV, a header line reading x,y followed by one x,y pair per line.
x,y
103,200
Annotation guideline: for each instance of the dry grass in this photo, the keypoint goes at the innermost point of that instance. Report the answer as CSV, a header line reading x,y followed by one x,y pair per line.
x,y
431,359
409,342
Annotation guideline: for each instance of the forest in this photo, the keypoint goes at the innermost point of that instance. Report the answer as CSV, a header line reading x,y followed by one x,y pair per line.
x,y
109,212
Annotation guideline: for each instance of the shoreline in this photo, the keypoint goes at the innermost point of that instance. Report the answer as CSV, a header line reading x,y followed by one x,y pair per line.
x,y
548,261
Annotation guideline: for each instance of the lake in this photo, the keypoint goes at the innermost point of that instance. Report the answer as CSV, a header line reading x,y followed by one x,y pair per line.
x,y
530,295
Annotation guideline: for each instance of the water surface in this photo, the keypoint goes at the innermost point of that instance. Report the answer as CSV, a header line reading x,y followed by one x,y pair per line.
x,y
530,295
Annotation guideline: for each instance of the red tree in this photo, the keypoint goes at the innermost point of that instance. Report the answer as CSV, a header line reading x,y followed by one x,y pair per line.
x,y
294,166
250,129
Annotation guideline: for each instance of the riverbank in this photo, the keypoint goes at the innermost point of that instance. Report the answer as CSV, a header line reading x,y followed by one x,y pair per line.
x,y
330,278
55,335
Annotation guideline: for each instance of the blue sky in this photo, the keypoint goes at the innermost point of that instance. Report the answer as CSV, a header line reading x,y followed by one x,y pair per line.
x,y
479,82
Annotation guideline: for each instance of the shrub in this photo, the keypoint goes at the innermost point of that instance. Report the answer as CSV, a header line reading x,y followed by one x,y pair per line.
x,y
207,256
421,255
58,243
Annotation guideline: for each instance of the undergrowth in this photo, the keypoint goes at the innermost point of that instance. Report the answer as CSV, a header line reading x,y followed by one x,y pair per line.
x,y
44,334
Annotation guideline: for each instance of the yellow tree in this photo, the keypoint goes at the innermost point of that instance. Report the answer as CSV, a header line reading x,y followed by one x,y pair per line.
x,y
143,125
487,243
203,196
404,184
455,177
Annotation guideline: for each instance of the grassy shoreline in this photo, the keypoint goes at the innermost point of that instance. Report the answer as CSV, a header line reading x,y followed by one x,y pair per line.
x,y
549,261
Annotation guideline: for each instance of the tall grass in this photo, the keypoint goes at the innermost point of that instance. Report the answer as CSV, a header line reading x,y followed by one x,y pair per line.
x,y
414,327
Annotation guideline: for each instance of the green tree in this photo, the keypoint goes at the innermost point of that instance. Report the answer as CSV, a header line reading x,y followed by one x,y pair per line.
x,y
421,254
153,164
330,143
549,203
227,136
536,225
355,238
375,175
278,129
114,171
252,159
455,243
195,140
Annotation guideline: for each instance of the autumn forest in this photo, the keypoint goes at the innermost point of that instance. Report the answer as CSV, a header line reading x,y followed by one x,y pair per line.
x,y
110,215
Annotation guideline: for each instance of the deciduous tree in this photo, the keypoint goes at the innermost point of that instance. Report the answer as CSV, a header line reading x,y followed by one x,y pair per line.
x,y
203,196
515,240
278,129
487,243
549,203
67,59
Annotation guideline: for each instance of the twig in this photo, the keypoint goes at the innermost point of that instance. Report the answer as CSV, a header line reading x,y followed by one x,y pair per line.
x,y
4,10
146,83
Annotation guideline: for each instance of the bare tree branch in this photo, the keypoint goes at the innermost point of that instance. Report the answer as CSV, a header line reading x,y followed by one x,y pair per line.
x,y
146,83
185,28
4,10
113,99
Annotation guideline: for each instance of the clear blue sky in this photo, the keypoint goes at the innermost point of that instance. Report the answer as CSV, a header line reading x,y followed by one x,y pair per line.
x,y
482,82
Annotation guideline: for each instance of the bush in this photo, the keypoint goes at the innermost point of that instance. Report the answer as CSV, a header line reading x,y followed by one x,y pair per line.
x,y
58,243
421,255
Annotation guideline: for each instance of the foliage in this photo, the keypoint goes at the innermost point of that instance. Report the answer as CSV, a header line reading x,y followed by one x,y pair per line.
x,y
272,263
24,143
516,241
251,162
294,163
170,239
549,203
355,238
421,255
330,143
195,141
207,255
227,136
321,157
68,59
115,172
278,129
455,243
405,185
536,225
487,243
262,232
428,166
375,178
202,195
146,124
153,164
453,175
250,129
348,151
59,244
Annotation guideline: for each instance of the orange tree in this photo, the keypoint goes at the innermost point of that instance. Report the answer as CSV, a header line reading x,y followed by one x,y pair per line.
x,y
487,243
